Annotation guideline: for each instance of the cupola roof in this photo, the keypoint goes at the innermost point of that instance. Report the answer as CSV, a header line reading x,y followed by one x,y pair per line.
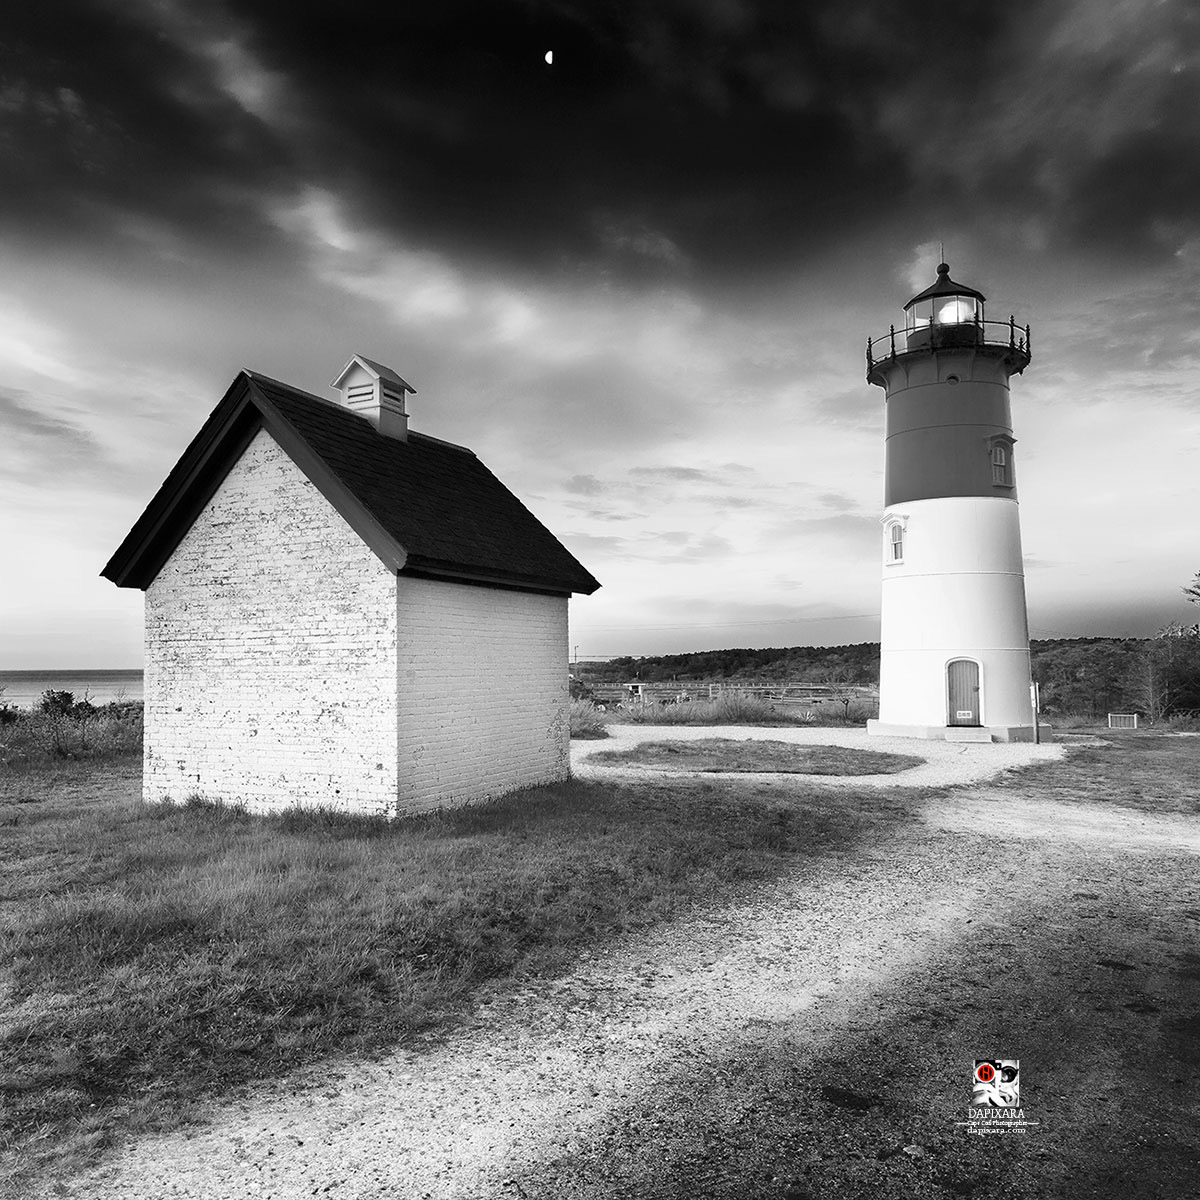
x,y
944,286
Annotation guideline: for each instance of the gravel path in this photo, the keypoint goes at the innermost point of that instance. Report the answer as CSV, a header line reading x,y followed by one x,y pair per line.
x,y
744,1052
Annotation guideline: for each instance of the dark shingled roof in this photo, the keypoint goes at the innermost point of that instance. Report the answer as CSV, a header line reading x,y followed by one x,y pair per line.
x,y
424,506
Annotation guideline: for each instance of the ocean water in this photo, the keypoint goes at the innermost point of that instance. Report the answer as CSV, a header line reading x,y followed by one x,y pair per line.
x,y
25,688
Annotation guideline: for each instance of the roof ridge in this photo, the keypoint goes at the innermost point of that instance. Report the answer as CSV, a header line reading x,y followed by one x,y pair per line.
x,y
259,377
428,437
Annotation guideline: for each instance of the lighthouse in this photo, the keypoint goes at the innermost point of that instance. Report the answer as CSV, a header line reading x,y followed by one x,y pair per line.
x,y
954,642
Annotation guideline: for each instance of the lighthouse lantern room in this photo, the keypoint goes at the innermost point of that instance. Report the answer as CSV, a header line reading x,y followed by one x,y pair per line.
x,y
954,642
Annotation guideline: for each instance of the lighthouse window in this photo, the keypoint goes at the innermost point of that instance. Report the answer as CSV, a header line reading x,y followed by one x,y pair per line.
x,y
896,545
1000,467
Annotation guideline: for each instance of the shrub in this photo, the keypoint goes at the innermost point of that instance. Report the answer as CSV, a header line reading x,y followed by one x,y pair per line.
x,y
81,731
587,721
1069,720
56,703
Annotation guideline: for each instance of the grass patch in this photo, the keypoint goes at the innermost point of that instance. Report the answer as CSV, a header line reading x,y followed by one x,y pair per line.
x,y
725,754
1153,772
154,956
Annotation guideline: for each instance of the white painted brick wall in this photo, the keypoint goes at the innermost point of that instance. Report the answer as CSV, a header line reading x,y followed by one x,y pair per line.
x,y
483,692
285,664
271,652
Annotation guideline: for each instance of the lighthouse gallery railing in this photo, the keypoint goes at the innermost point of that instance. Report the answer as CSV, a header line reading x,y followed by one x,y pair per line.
x,y
1006,335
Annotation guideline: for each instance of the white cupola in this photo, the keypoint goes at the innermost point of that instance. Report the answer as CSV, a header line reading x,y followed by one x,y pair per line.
x,y
377,393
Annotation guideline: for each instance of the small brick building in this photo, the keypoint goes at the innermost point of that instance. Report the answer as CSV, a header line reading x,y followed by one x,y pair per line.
x,y
345,613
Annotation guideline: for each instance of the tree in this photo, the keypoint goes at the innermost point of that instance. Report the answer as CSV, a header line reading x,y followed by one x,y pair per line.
x,y
840,677
1085,676
1166,677
1192,591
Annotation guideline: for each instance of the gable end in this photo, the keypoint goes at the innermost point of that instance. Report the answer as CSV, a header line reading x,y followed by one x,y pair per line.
x,y
206,462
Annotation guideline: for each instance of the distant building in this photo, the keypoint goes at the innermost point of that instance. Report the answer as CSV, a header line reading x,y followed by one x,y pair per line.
x,y
342,612
954,641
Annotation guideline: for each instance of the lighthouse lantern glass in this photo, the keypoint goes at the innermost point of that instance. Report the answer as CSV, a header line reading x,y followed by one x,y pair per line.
x,y
945,310
957,310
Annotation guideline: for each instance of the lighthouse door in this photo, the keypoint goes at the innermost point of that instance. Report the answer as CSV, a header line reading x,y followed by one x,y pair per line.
x,y
962,681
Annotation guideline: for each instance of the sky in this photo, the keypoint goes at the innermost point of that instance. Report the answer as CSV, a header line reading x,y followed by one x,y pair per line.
x,y
636,279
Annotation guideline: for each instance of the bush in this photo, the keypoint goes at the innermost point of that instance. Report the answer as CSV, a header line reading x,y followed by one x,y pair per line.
x,y
58,704
1069,720
1184,722
79,729
587,721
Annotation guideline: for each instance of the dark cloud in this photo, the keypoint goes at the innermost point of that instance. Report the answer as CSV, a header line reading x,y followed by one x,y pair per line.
x,y
667,138
1084,122
102,114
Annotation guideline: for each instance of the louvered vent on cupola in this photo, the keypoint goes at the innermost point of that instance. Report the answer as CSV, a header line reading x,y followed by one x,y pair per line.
x,y
377,393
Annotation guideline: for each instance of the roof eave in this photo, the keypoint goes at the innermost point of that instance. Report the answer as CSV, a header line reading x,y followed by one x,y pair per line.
x,y
426,568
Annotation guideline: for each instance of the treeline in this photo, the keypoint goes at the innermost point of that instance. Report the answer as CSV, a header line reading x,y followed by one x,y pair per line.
x,y
859,664
1156,677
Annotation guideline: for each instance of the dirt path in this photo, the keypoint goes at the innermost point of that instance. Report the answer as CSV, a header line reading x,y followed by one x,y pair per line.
x,y
816,1039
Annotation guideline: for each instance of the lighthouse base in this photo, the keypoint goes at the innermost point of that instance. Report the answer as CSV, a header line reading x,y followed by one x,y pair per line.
x,y
954,733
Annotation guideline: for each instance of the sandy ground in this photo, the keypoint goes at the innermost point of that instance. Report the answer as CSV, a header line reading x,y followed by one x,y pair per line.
x,y
815,1039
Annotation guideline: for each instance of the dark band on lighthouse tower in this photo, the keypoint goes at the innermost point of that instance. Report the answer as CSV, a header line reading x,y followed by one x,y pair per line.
x,y
954,643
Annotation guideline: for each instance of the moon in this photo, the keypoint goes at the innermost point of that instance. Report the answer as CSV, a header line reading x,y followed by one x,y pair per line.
x,y
550,56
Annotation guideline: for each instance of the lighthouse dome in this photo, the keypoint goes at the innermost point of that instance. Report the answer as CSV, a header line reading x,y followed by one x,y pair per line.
x,y
949,313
